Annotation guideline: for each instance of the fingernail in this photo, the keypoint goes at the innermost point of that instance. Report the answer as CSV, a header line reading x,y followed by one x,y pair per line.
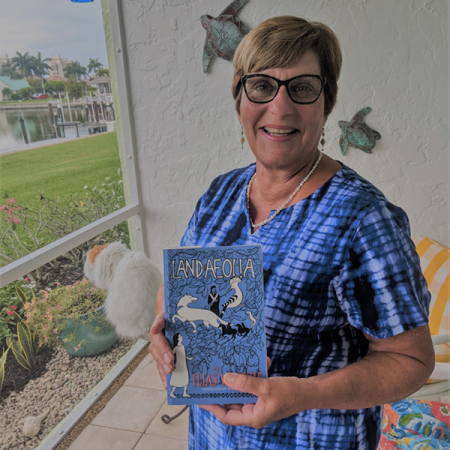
x,y
166,369
167,358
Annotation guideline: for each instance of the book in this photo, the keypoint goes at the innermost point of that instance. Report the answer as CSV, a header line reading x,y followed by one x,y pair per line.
x,y
214,321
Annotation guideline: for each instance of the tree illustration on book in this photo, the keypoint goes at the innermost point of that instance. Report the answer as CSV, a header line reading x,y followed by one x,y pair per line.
x,y
228,337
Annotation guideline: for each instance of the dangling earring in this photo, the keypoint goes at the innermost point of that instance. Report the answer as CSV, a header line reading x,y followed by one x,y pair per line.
x,y
323,141
242,137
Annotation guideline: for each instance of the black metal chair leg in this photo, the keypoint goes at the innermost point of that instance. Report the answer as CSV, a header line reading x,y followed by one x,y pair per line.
x,y
167,419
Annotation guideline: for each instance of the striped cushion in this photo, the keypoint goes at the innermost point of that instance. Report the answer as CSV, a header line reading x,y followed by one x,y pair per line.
x,y
435,265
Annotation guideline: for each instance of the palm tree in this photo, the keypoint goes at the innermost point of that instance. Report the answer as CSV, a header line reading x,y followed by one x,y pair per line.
x,y
94,65
40,67
24,63
9,71
103,72
75,68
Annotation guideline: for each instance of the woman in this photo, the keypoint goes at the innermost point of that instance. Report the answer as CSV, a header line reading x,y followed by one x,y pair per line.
x,y
180,374
346,303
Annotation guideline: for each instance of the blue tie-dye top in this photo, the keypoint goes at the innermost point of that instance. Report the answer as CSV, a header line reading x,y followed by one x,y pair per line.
x,y
336,264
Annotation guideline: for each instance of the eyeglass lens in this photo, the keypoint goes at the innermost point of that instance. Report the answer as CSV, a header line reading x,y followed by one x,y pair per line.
x,y
304,89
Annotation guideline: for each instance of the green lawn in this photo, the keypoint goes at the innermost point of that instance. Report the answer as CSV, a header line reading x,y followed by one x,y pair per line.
x,y
59,169
38,100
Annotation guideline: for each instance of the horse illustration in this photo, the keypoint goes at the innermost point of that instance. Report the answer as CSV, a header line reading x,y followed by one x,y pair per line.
x,y
184,313
236,298
227,329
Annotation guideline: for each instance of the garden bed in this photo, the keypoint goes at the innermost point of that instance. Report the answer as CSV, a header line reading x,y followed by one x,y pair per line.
x,y
66,381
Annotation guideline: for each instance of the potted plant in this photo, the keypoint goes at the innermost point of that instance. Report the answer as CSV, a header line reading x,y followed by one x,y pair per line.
x,y
74,316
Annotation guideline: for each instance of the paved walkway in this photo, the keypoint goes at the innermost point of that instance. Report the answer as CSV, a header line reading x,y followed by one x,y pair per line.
x,y
131,420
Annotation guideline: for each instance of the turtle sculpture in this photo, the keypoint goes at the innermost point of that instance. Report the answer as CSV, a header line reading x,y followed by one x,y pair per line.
x,y
357,133
223,33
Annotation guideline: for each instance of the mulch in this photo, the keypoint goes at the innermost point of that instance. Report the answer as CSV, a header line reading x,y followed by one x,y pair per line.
x,y
63,272
17,377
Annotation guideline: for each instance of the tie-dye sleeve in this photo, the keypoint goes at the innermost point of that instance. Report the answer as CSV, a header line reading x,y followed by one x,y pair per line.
x,y
188,236
381,288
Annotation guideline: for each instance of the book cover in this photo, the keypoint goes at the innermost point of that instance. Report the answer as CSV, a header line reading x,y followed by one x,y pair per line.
x,y
214,311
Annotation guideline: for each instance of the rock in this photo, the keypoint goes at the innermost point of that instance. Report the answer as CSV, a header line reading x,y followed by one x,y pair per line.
x,y
32,424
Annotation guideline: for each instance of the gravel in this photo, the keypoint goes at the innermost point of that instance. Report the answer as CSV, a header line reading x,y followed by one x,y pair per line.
x,y
65,383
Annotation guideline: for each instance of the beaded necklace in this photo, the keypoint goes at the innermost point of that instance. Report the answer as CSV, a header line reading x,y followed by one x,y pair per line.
x,y
260,224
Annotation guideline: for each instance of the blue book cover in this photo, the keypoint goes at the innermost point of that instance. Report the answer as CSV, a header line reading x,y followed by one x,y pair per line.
x,y
214,311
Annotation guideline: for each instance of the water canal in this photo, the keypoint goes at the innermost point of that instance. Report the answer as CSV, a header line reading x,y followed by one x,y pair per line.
x,y
37,124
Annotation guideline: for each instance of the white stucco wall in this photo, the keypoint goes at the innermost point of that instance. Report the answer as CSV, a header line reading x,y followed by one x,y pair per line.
x,y
395,61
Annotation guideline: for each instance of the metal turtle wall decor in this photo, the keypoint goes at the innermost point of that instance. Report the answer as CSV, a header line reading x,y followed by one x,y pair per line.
x,y
357,133
223,33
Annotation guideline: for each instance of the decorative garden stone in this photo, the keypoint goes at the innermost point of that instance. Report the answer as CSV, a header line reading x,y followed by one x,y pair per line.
x,y
223,33
32,424
357,133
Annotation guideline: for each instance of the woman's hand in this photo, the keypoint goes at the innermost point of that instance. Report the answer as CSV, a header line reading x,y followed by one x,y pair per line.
x,y
394,368
278,397
159,348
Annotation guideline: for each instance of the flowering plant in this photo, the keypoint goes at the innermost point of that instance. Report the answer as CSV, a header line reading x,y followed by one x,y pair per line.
x,y
45,316
12,308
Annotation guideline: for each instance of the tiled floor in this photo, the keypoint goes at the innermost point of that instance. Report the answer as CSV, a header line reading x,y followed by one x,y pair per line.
x,y
132,418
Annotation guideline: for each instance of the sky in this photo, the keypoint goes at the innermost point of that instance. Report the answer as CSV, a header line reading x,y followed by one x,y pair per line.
x,y
53,27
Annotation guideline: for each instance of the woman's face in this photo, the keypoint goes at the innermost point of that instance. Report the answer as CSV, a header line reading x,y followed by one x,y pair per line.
x,y
180,340
265,123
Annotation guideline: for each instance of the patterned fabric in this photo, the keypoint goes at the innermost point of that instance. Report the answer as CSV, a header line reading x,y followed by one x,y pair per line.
x,y
415,425
336,264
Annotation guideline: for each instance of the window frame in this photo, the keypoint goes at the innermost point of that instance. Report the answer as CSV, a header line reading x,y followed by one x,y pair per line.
x,y
133,210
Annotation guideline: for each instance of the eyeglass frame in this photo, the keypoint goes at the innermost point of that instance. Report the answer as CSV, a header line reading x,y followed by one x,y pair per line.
x,y
285,83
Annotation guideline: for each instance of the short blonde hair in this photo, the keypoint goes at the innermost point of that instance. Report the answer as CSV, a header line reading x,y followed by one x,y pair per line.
x,y
280,42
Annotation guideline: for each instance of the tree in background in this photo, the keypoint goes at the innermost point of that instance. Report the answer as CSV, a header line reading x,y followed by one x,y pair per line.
x,y
24,63
6,92
103,72
40,67
94,65
35,84
75,69
25,93
8,70
55,86
75,88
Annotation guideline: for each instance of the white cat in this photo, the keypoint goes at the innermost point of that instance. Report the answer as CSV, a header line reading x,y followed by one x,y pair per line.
x,y
132,282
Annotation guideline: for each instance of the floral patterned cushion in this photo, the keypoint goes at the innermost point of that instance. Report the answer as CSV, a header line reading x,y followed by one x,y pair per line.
x,y
416,425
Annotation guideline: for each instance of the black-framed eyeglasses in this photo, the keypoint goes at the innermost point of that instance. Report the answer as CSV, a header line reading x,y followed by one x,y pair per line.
x,y
303,89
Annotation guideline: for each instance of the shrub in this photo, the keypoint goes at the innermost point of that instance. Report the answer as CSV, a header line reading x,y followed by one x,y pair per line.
x,y
14,97
43,316
25,93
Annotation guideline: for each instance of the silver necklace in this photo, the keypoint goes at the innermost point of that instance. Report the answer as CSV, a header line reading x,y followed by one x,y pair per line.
x,y
260,224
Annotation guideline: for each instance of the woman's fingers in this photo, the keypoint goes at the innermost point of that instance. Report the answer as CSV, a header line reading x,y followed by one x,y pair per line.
x,y
158,325
160,349
163,376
